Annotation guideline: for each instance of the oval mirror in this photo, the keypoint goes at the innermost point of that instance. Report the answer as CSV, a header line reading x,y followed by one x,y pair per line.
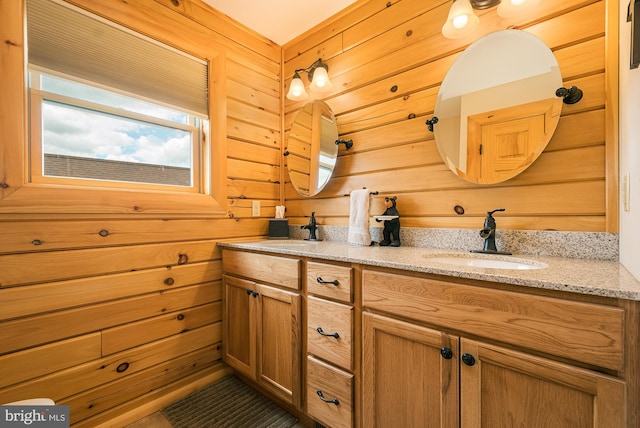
x,y
497,109
312,148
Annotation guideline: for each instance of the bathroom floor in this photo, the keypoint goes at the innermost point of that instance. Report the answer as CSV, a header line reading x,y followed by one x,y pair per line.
x,y
157,420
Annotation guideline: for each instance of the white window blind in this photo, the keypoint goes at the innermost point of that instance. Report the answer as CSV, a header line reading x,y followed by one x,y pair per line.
x,y
70,41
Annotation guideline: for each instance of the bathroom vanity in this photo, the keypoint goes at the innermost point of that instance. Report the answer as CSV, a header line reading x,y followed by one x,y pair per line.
x,y
371,336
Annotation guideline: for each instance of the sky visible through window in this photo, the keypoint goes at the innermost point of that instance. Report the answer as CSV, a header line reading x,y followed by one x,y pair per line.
x,y
76,131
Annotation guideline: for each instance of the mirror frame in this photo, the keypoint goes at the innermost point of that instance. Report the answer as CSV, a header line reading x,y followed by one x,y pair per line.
x,y
494,119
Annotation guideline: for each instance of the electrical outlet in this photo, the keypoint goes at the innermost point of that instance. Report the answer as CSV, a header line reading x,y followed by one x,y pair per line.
x,y
255,208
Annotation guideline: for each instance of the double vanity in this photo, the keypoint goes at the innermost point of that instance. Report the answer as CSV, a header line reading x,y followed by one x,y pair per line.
x,y
409,336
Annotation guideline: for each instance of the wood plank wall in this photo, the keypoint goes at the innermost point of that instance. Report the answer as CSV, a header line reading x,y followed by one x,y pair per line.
x,y
112,313
385,44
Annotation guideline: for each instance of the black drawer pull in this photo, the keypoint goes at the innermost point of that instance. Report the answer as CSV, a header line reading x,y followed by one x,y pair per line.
x,y
468,359
322,281
335,335
122,367
446,353
333,401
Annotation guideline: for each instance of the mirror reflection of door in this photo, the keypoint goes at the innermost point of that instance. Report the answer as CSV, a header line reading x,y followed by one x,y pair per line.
x,y
312,148
502,143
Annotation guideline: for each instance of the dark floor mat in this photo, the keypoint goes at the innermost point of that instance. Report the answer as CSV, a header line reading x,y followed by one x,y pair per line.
x,y
228,403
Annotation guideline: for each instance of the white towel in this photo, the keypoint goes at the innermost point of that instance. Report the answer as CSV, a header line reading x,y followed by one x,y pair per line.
x,y
359,218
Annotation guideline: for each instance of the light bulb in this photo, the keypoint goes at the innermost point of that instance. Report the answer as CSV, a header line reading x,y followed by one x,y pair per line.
x,y
461,21
509,8
320,82
296,90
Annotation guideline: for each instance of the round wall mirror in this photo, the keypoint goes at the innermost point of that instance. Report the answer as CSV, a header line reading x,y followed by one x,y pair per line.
x,y
497,108
312,149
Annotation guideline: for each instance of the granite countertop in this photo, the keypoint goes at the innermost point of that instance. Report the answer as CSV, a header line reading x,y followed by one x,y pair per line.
x,y
584,276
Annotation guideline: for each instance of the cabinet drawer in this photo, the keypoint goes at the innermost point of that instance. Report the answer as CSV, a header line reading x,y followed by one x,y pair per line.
x,y
587,332
320,277
332,318
325,382
263,268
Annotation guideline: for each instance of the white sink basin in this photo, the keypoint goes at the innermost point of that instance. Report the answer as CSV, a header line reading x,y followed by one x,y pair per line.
x,y
478,262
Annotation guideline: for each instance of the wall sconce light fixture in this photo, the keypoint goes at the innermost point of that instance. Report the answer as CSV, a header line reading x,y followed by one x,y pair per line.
x,y
462,20
318,76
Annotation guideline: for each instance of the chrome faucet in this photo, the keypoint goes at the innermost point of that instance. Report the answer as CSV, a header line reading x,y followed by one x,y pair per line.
x,y
488,233
312,227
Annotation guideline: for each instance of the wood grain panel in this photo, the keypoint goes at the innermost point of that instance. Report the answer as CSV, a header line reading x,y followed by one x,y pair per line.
x,y
393,158
241,111
59,265
254,153
217,21
89,375
361,10
28,364
245,189
94,401
239,130
333,384
118,339
419,104
32,331
34,299
18,236
247,170
321,278
540,323
244,74
249,95
261,267
332,318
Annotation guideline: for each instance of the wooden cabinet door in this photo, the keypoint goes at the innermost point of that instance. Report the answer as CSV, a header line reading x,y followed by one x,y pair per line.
x,y
240,325
407,382
279,349
504,388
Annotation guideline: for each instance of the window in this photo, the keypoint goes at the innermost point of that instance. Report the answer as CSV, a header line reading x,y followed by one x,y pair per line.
x,y
101,115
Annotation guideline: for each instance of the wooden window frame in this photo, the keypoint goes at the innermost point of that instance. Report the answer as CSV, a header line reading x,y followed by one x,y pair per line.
x,y
19,196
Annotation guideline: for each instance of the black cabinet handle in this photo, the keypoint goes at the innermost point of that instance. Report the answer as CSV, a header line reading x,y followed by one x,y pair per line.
x,y
335,335
322,281
446,353
249,291
333,401
468,359
122,367
255,293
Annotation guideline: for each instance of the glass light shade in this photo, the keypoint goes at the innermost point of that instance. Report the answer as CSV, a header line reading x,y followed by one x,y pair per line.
x,y
296,89
461,21
509,8
320,82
